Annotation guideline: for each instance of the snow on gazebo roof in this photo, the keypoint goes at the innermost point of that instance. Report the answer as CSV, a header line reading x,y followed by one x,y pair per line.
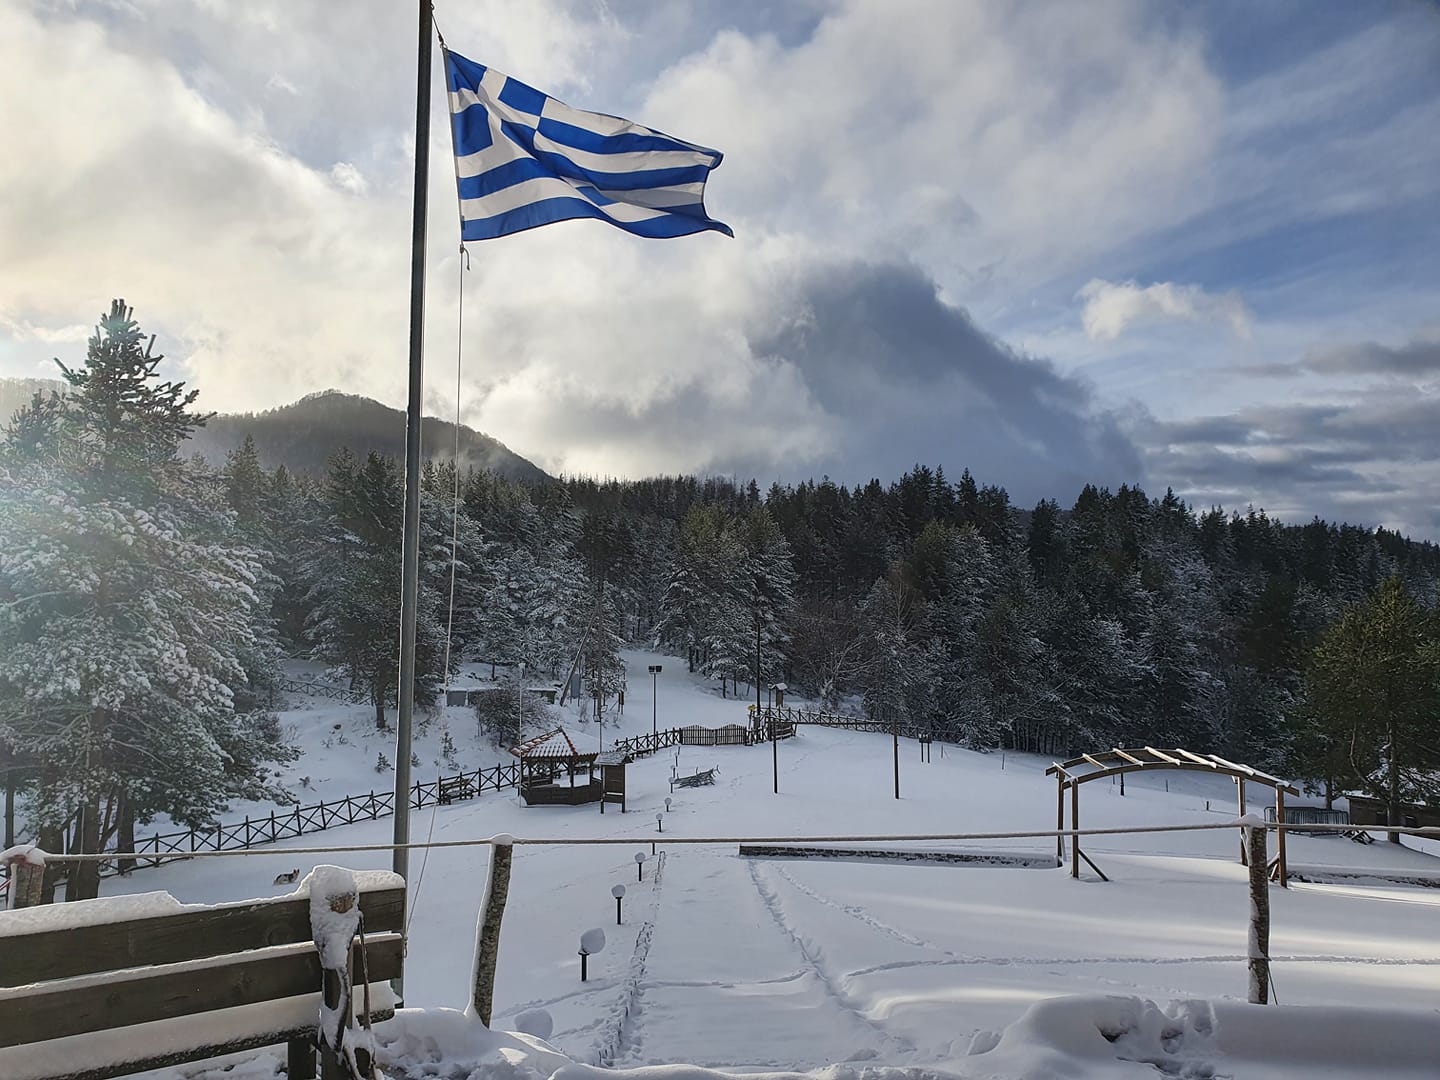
x,y
556,745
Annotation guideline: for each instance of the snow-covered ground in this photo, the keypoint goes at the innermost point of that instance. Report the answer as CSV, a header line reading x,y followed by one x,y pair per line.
x,y
771,964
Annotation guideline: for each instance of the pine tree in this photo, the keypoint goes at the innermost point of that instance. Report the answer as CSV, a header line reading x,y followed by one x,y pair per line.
x,y
130,610
1374,686
354,571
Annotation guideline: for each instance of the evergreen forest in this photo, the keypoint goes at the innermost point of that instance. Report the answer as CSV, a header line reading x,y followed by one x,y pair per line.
x,y
147,599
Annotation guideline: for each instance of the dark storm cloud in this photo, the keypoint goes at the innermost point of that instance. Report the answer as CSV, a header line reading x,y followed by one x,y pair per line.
x,y
1374,459
911,379
1419,357
1416,357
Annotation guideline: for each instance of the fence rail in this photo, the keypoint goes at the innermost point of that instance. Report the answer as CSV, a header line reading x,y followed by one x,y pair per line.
x,y
300,820
784,715
639,745
316,689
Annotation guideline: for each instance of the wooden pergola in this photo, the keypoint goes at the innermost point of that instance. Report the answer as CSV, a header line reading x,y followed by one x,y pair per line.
x,y
1117,762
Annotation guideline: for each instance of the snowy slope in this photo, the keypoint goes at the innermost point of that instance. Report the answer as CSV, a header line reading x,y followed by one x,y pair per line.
x,y
766,964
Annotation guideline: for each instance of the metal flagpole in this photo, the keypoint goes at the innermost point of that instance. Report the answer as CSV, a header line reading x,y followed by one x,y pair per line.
x,y
410,569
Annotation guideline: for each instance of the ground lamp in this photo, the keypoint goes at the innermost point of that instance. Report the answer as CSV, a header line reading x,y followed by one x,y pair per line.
x,y
591,942
619,893
655,670
639,866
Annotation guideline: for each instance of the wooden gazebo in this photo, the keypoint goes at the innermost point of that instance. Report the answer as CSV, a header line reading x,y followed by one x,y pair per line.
x,y
1117,762
545,759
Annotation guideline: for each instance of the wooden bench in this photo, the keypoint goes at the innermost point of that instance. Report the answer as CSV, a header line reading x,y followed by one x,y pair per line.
x,y
455,788
107,987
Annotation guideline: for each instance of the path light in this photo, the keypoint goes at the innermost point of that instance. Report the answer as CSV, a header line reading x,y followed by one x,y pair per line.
x,y
667,806
618,892
591,942
639,866
659,822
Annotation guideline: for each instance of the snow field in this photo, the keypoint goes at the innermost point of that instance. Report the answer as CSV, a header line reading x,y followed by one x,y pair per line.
x,y
760,964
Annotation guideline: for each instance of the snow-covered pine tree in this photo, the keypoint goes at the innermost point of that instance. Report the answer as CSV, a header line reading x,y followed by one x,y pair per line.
x,y
603,666
772,574
130,610
354,573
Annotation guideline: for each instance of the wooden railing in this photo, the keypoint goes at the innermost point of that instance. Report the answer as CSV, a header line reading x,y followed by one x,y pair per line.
x,y
283,825
318,689
640,745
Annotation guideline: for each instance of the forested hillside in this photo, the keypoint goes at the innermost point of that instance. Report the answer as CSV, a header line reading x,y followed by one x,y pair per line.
x,y
147,598
302,436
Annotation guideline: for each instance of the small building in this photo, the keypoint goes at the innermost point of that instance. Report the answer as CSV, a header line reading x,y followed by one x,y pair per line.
x,y
548,761
470,693
1369,811
464,692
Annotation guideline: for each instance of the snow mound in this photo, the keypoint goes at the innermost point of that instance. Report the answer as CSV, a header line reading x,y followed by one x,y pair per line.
x,y
1097,1037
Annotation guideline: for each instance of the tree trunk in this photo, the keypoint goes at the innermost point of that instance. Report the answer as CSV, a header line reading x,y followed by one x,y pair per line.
x,y
52,839
1392,811
126,839
85,876
377,694
1329,793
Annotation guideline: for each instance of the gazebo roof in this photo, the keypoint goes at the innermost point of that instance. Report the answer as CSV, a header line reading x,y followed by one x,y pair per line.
x,y
555,745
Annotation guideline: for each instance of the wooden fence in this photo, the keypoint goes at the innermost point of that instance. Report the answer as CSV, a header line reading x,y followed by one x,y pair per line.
x,y
283,825
784,716
640,745
729,735
317,689
694,735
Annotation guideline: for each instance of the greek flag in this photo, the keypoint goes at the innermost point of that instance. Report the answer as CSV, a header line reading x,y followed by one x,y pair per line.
x,y
523,159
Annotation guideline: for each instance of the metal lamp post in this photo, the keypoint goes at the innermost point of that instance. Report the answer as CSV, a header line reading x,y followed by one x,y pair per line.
x,y
520,703
655,699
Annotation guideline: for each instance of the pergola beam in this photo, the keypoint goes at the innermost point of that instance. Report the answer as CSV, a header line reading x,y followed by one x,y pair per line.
x,y
1207,762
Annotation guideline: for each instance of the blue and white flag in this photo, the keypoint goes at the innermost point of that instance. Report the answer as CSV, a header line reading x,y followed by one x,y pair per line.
x,y
523,159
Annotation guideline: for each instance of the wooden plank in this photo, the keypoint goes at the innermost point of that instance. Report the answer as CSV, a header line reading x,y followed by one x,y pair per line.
x,y
1246,769
1099,765
172,939
202,1051
148,996
1128,757
1198,759
1163,757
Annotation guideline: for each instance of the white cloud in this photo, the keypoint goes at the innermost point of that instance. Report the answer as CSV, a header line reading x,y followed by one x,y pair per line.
x,y
1113,307
349,177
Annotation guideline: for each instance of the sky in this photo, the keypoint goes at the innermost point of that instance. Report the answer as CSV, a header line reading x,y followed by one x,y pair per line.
x,y
1182,245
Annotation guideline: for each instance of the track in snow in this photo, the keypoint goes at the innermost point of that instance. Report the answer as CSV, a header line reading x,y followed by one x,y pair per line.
x,y
622,1032
813,958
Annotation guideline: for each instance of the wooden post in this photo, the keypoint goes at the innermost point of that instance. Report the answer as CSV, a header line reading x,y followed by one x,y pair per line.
x,y
1075,824
1059,818
27,878
337,1061
300,1059
487,936
10,806
1284,872
1259,941
1244,855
